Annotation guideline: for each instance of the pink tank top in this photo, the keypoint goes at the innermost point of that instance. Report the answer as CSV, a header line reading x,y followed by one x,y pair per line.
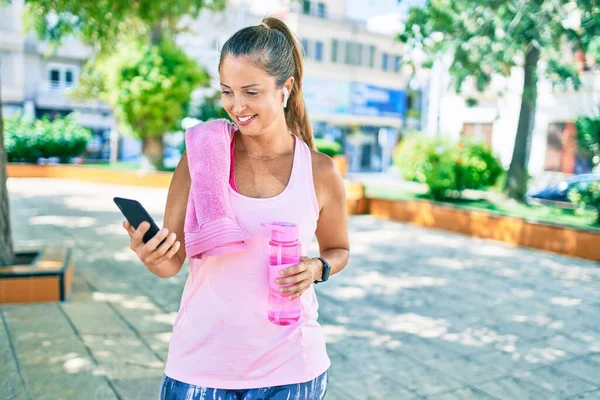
x,y
222,337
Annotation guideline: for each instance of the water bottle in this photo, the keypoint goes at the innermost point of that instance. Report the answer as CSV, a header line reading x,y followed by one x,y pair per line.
x,y
284,251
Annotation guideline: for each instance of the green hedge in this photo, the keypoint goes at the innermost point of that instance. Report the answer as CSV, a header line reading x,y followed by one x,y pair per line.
x,y
447,167
27,141
329,147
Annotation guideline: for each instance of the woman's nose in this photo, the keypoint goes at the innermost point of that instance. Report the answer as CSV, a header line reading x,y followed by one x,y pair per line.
x,y
238,105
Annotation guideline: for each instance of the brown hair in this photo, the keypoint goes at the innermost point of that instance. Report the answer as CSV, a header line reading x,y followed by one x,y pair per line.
x,y
273,47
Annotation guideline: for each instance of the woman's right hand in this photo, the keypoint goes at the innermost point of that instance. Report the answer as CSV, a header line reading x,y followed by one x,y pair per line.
x,y
153,253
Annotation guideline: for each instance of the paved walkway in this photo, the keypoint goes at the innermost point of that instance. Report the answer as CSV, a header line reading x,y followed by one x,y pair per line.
x,y
417,314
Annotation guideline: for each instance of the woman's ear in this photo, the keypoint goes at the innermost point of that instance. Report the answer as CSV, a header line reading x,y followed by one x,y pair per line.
x,y
286,96
287,89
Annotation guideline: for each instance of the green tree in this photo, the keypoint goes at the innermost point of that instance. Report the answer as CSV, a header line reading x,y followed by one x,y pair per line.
x,y
101,25
137,68
588,135
487,37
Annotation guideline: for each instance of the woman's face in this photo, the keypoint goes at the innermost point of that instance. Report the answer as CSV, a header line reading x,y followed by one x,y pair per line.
x,y
249,95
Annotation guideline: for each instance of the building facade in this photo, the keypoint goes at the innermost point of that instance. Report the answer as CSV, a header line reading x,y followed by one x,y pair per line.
x,y
354,87
494,117
36,81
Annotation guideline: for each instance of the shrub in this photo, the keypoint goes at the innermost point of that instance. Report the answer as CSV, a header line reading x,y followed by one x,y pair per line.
x,y
329,147
586,195
29,141
446,167
410,156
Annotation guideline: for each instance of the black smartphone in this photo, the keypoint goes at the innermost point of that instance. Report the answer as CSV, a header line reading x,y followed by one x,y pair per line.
x,y
136,214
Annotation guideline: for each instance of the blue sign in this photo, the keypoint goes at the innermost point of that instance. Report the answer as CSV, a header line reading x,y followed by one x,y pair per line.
x,y
328,96
377,101
331,96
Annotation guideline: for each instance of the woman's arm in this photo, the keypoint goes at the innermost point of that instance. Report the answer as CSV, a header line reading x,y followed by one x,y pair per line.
x,y
332,226
332,230
166,260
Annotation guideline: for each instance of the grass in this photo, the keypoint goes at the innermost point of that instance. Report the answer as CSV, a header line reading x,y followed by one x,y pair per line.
x,y
497,204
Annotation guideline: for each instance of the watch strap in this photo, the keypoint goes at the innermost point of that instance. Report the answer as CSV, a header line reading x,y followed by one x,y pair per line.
x,y
326,270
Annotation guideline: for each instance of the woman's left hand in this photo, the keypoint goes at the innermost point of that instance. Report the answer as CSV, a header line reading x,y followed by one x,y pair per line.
x,y
302,275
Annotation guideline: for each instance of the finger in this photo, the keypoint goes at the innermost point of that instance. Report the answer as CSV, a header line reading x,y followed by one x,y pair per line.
x,y
293,279
163,248
128,228
154,242
170,254
296,269
138,235
301,289
294,288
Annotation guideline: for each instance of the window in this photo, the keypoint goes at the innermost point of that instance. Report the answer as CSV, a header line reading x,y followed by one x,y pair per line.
x,y
480,132
372,50
68,78
321,10
562,154
6,66
348,55
319,51
306,7
358,54
334,51
305,47
54,77
384,61
397,63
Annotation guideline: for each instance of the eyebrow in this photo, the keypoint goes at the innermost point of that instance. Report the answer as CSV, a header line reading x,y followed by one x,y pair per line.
x,y
243,87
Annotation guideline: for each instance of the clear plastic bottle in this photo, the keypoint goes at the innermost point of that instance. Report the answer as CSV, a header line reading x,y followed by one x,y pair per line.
x,y
284,251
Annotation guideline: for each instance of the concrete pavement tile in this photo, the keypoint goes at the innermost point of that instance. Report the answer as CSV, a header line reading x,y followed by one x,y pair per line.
x,y
363,384
469,370
138,389
54,383
514,388
158,342
11,386
137,362
523,357
426,380
95,318
593,395
587,335
555,381
463,394
582,368
145,317
373,352
570,345
424,350
336,392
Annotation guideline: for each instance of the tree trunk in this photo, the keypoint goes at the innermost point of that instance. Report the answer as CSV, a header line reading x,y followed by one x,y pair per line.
x,y
6,245
516,179
152,152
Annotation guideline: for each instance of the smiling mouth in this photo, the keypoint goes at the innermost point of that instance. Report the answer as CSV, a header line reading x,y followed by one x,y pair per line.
x,y
246,118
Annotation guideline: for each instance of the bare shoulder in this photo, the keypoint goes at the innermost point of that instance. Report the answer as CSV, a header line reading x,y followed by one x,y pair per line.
x,y
327,178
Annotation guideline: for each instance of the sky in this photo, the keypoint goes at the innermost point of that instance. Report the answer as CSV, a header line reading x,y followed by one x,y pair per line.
x,y
365,9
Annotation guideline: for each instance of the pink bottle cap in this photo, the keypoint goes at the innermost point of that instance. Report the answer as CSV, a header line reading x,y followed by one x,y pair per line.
x,y
282,231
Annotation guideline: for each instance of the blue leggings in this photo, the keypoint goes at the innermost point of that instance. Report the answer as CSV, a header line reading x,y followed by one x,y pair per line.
x,y
172,389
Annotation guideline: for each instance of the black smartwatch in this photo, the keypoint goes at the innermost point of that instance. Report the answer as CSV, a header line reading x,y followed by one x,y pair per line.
x,y
326,270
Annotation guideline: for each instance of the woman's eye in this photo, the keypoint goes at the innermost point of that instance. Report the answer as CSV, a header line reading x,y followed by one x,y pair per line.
x,y
225,92
252,93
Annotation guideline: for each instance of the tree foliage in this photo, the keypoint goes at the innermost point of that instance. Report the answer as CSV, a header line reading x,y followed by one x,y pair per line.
x,y
484,38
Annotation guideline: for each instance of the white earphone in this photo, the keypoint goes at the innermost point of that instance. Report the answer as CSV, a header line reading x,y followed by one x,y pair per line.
x,y
286,96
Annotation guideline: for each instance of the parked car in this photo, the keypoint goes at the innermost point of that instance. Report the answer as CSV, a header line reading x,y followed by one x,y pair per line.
x,y
560,190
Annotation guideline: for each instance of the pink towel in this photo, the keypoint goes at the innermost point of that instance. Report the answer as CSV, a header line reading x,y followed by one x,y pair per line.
x,y
210,226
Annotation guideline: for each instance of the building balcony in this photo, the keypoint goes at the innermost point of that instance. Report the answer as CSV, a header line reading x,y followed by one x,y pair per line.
x,y
57,96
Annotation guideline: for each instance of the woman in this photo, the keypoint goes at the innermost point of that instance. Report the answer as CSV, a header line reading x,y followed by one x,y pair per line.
x,y
216,350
